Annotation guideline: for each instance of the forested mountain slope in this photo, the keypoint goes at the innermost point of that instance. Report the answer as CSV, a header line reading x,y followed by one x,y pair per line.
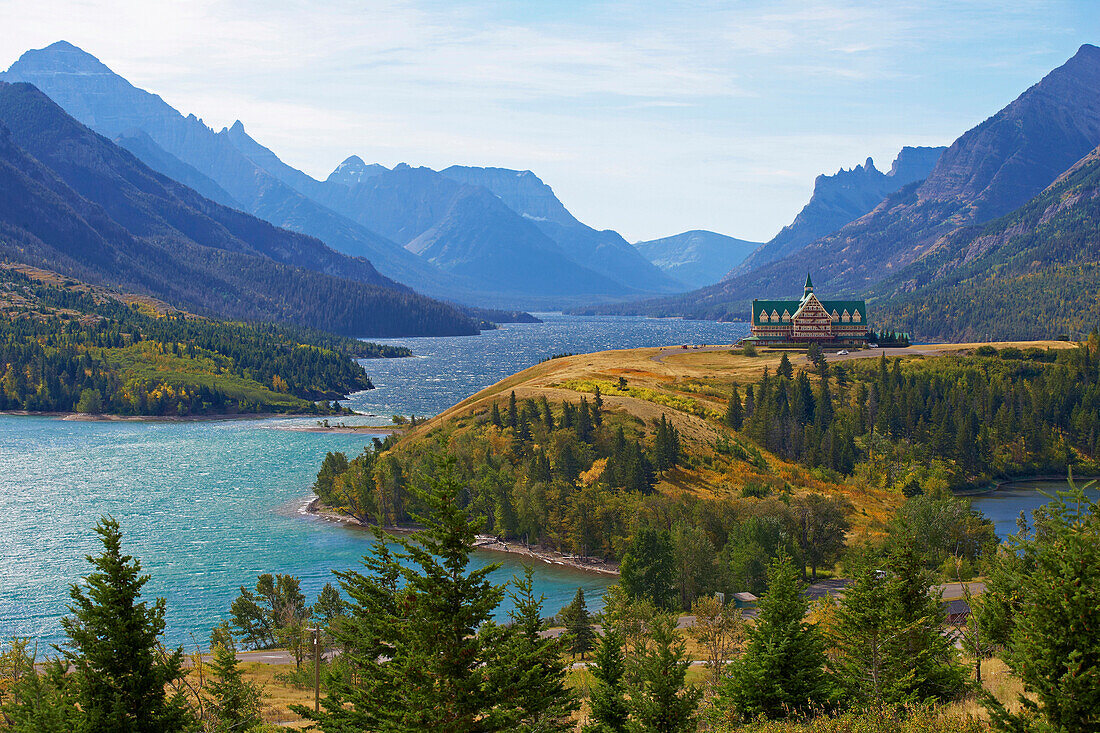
x,y
75,202
1028,274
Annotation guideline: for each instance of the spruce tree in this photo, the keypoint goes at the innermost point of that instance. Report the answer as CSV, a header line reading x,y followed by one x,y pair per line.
x,y
234,701
597,408
421,652
525,671
734,416
114,647
1045,589
647,568
494,416
660,699
785,369
578,626
783,668
513,411
608,707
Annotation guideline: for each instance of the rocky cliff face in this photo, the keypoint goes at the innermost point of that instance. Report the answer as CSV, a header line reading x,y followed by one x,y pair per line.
x,y
842,198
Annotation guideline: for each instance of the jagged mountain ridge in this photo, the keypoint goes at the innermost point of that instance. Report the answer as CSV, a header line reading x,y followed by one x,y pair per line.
x,y
842,198
76,202
697,257
990,170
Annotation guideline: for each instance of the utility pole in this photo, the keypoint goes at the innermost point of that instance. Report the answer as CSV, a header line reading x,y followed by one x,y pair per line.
x,y
316,670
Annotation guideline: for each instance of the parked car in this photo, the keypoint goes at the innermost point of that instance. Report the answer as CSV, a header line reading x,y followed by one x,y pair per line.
x,y
842,352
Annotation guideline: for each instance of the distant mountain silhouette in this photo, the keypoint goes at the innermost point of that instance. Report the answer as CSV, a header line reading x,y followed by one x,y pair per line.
x,y
75,202
248,175
604,252
698,257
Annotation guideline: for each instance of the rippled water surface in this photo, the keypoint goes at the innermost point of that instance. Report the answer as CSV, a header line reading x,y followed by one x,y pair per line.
x,y
1004,505
209,505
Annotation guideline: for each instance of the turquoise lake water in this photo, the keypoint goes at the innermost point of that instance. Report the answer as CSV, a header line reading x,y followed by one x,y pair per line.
x,y
208,506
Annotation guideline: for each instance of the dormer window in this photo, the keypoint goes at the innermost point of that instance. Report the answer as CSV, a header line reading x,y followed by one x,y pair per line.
x,y
836,316
775,315
855,316
845,317
786,316
763,316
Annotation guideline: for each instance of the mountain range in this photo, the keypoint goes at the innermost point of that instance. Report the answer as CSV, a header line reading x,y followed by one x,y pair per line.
x,y
413,225
697,257
76,203
915,240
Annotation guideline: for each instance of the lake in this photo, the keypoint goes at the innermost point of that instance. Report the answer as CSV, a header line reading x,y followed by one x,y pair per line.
x,y
207,506
1004,505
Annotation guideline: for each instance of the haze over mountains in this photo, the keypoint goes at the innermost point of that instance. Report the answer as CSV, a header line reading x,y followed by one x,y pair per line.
x,y
514,257
918,237
697,257
73,202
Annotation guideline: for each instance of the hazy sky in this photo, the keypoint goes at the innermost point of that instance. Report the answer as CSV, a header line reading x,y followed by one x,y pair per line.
x,y
646,117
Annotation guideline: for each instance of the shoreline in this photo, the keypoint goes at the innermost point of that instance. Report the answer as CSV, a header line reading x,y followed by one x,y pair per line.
x,y
219,417
483,542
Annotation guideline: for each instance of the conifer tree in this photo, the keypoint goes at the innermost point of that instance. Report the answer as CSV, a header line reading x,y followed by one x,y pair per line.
x,y
584,421
1044,597
750,402
494,416
608,707
660,699
734,416
513,411
578,625
647,567
597,408
783,668
421,652
114,647
784,369
234,701
525,670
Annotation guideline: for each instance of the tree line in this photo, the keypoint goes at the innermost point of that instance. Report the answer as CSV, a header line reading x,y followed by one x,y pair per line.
x,y
58,346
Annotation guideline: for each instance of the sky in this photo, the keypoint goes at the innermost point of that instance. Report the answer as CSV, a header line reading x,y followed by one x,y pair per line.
x,y
650,118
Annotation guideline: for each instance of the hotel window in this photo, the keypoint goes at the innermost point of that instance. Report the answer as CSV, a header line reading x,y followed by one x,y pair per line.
x,y
836,316
786,316
775,315
855,316
845,317
763,316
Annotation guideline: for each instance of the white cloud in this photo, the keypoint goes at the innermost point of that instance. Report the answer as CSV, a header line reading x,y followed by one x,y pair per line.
x,y
644,117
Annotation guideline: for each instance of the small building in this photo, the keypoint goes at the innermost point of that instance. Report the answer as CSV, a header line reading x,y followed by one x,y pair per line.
x,y
835,322
744,600
956,611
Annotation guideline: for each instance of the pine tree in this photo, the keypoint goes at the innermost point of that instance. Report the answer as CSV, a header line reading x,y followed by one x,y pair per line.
x,y
114,647
660,699
597,408
428,616
513,412
234,701
647,568
734,416
584,421
578,626
785,369
1045,587
782,670
494,416
608,707
525,670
